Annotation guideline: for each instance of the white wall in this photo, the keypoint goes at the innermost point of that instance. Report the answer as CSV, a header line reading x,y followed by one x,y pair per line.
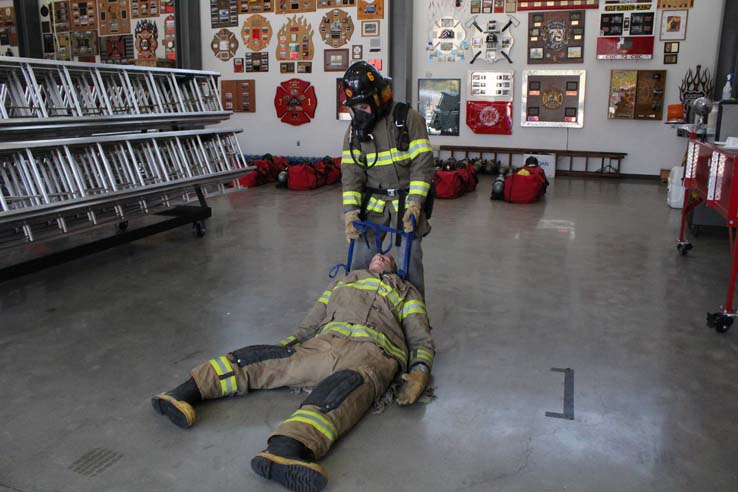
x,y
263,131
651,145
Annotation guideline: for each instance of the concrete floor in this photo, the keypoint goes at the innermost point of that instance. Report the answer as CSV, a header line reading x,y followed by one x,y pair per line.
x,y
589,279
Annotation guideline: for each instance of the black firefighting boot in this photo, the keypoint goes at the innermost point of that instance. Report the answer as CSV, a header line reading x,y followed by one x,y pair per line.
x,y
177,404
289,463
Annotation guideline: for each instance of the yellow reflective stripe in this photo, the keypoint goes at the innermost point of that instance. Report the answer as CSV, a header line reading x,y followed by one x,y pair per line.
x,y
222,367
413,307
362,331
419,188
382,289
375,205
351,198
424,355
287,340
320,423
325,297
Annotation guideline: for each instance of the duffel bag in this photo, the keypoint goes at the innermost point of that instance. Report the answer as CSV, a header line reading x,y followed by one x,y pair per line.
x,y
304,177
449,184
526,185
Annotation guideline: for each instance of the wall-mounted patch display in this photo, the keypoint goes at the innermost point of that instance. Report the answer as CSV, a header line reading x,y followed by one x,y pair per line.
x,y
84,43
63,46
447,41
636,94
61,16
626,30
489,117
304,67
342,111
482,6
329,4
671,58
238,95
287,67
223,13
238,65
144,8
439,104
673,25
675,4
556,37
553,98
295,102
114,17
336,60
255,6
83,15
224,45
170,38
256,32
166,6
557,4
294,6
491,86
357,52
493,42
336,28
257,62
147,40
116,49
370,10
295,40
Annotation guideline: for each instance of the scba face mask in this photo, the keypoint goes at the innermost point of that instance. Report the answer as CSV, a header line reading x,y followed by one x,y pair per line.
x,y
363,124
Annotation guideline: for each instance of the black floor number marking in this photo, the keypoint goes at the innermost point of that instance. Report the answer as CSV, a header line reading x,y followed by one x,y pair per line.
x,y
568,395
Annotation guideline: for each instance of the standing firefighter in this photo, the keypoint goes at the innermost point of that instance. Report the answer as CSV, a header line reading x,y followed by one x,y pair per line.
x,y
387,166
365,330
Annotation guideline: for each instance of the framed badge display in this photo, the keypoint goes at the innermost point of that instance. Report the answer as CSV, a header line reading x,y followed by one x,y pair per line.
x,y
491,86
482,6
294,6
84,43
256,32
116,49
147,40
144,8
556,37
370,10
637,94
357,52
304,67
553,98
557,4
336,60
493,42
295,102
489,117
439,103
223,13
673,25
224,45
329,4
114,17
238,95
336,28
626,30
675,4
447,41
83,15
256,62
287,67
170,38
255,6
295,40
61,16
342,111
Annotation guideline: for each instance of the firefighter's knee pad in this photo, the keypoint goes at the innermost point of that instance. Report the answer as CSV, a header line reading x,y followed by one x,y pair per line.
x,y
257,353
331,392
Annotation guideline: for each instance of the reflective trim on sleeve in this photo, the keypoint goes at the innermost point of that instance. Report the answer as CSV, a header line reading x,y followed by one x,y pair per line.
x,y
326,297
287,341
413,307
318,421
419,188
422,355
352,198
227,377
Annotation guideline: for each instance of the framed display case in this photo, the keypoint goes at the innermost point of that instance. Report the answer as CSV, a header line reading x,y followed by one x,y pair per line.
x,y
553,98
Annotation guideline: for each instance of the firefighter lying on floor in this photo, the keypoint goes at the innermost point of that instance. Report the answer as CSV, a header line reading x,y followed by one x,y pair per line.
x,y
364,329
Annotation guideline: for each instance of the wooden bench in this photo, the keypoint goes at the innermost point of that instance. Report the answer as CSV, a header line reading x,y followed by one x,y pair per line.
x,y
606,168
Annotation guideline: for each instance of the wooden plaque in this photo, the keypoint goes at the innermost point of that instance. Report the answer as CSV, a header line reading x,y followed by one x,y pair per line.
x,y
556,37
295,40
83,15
61,16
294,6
84,43
336,28
116,49
114,17
553,98
256,32
330,4
224,45
238,95
223,13
255,6
370,10
144,8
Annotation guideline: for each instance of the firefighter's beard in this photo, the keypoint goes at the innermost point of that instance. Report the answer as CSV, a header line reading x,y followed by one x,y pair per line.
x,y
363,124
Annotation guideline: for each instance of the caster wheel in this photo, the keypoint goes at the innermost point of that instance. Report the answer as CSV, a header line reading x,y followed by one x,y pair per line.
x,y
122,226
684,248
199,229
720,322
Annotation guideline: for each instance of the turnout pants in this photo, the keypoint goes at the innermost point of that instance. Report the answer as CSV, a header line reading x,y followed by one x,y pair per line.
x,y
347,377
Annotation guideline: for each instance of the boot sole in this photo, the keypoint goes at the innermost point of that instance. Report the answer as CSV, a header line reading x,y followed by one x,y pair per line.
x,y
166,407
294,475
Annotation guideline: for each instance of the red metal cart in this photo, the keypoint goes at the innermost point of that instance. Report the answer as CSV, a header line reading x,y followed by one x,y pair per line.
x,y
711,176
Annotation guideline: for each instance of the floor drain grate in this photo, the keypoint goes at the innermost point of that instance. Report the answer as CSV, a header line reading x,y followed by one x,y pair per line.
x,y
95,461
